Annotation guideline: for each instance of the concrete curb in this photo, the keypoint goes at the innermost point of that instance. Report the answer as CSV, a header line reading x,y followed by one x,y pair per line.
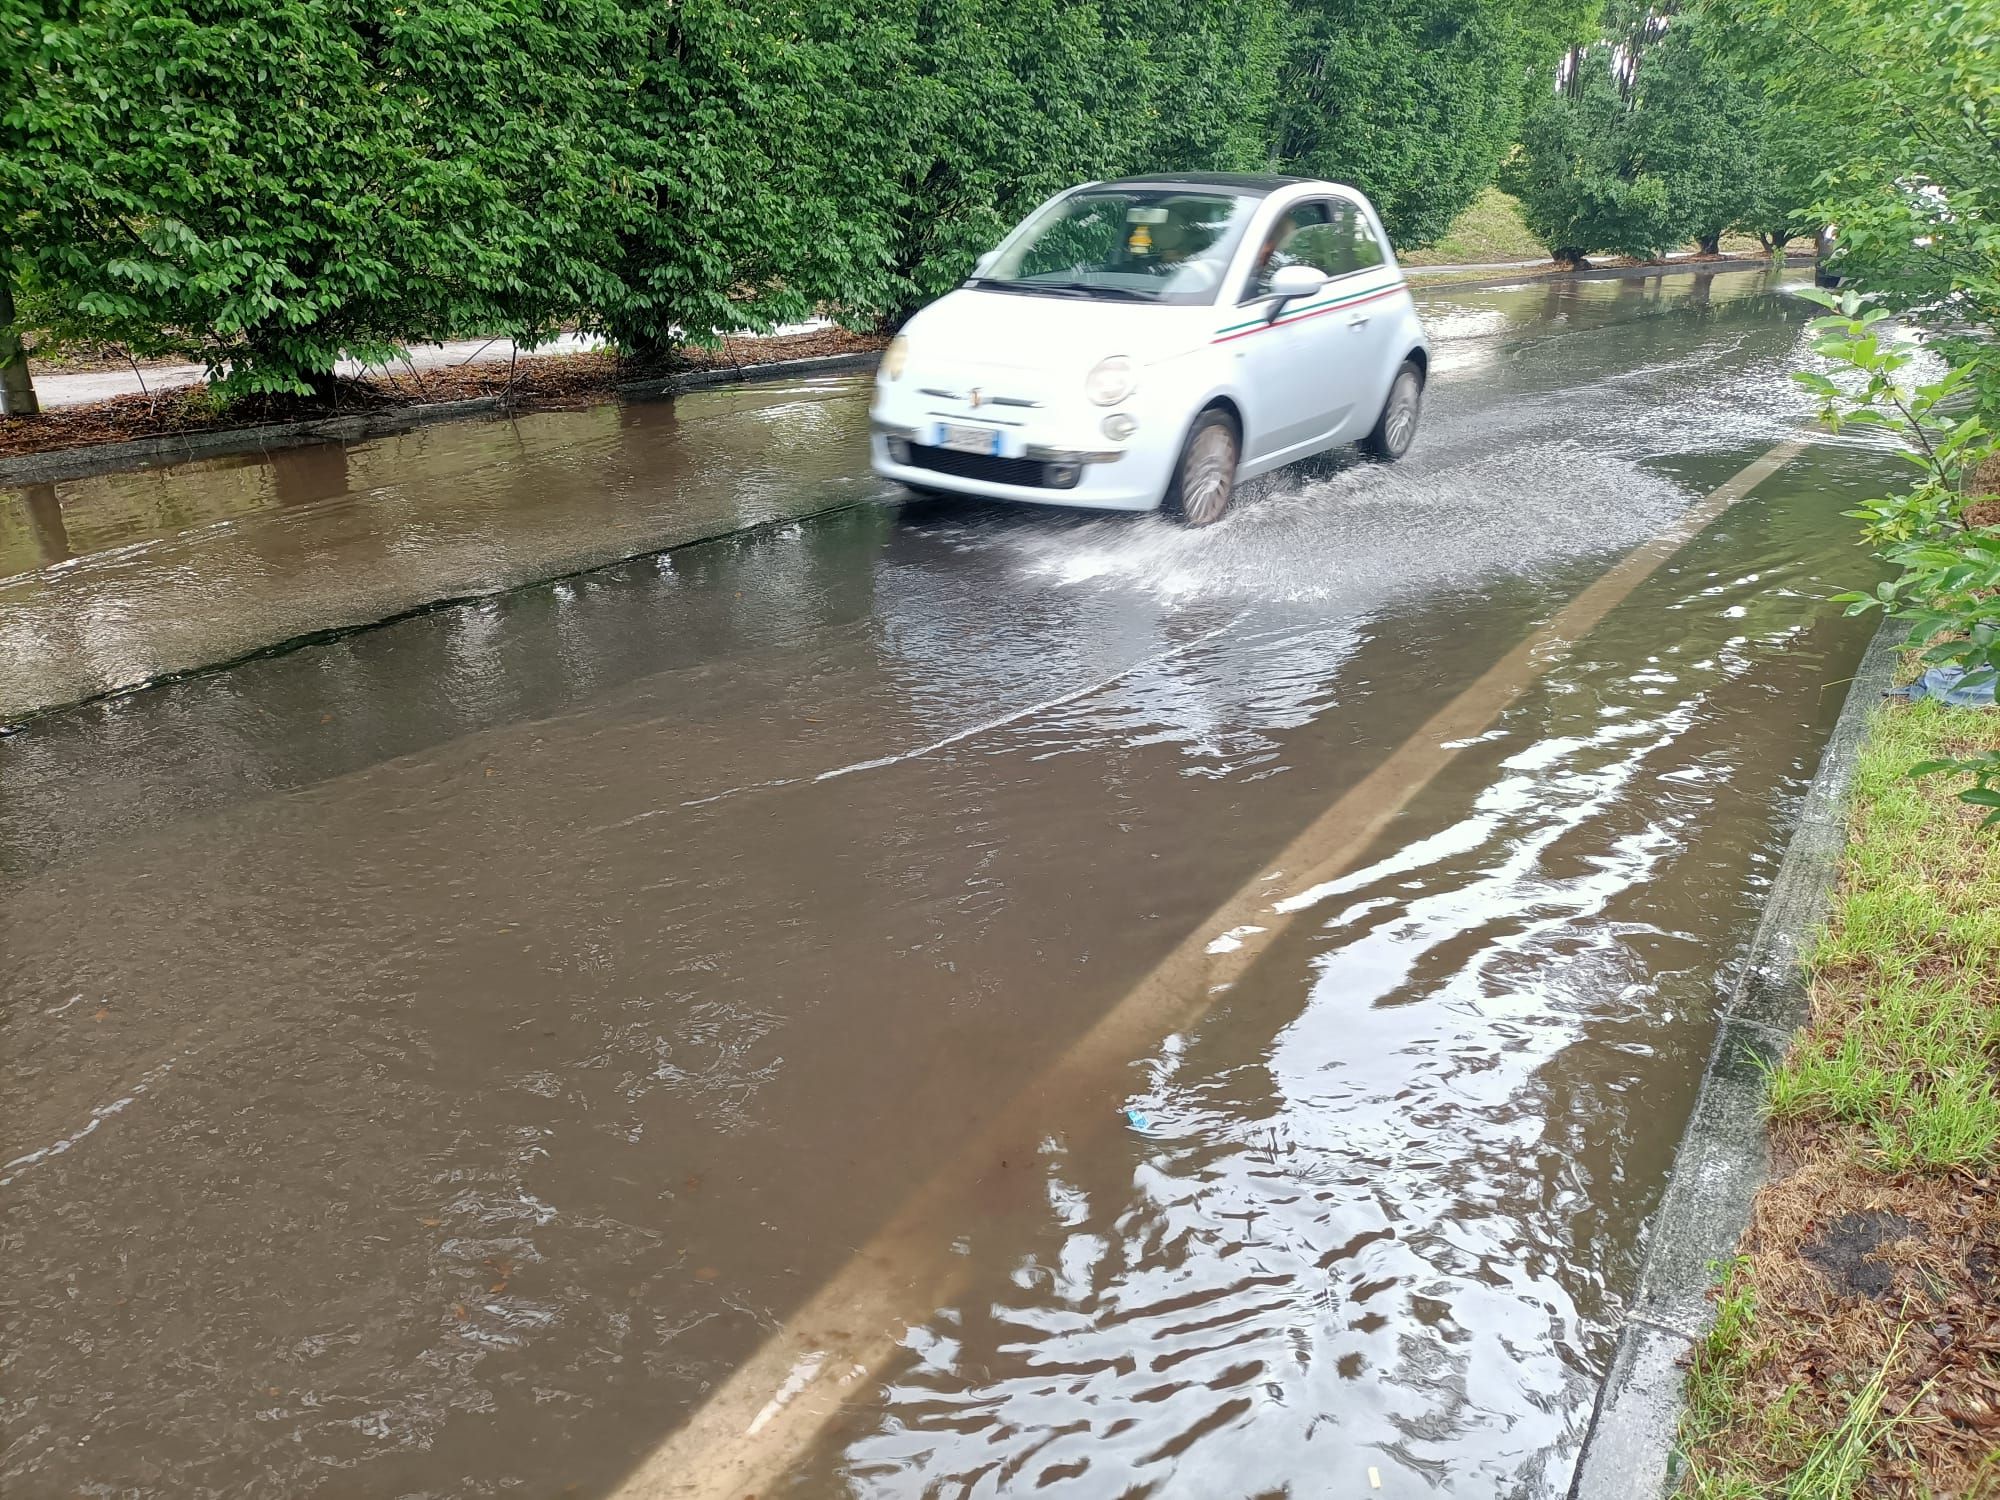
x,y
695,380
1723,1157
101,458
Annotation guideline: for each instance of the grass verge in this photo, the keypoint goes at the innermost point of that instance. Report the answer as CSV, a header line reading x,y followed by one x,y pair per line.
x,y
1490,230
1856,1346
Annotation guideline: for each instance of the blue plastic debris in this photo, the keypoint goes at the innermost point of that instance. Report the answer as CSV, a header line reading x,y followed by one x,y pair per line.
x,y
1138,1119
1946,685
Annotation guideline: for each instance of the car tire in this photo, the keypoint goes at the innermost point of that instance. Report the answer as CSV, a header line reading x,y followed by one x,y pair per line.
x,y
1204,479
1396,428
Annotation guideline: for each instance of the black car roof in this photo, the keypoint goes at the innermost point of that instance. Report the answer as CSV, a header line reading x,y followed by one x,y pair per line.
x,y
1240,182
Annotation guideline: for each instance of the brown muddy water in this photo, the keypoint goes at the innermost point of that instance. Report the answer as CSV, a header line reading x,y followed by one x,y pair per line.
x,y
437,1058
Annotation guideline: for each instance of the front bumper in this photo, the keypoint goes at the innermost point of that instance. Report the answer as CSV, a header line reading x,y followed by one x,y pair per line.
x,y
1036,452
1104,478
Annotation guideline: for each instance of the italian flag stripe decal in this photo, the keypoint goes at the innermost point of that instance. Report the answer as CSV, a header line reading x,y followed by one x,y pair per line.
x,y
1311,310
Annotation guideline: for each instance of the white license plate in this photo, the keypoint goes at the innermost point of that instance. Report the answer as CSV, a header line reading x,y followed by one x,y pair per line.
x,y
968,439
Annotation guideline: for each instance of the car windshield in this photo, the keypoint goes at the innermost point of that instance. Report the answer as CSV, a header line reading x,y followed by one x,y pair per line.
x,y
1118,244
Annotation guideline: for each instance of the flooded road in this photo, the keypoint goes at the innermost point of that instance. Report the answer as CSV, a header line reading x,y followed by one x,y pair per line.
x,y
440,1057
112,581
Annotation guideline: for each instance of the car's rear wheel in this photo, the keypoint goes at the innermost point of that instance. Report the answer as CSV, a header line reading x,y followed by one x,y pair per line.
x,y
1396,428
1205,479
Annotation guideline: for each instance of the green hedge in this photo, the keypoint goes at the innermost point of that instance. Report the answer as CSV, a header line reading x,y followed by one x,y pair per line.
x,y
267,184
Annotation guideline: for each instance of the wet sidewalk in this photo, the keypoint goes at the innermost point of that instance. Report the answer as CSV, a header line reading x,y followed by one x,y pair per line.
x,y
112,581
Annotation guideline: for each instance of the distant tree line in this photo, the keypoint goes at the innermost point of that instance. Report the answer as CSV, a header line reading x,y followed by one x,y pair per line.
x,y
267,185
1900,105
1666,129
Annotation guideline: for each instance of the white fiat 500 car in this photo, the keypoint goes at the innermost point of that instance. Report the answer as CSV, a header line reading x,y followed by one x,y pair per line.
x,y
1153,341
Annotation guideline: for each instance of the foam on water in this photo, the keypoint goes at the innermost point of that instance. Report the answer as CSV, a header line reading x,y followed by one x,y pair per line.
x,y
1353,532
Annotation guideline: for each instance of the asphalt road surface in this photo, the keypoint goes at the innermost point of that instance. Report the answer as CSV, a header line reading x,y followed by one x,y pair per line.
x,y
908,998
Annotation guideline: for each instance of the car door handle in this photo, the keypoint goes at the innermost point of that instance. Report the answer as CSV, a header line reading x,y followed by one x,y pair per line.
x,y
1358,320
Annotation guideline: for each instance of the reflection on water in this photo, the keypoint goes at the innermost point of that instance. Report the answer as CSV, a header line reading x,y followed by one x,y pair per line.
x,y
472,1037
1379,1209
121,578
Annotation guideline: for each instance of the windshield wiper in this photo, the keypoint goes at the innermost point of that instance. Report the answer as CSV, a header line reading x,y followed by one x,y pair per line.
x,y
1086,289
1098,289
1031,288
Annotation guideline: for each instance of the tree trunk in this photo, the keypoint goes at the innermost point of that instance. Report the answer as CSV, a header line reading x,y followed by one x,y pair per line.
x,y
17,387
325,386
643,349
1574,259
1710,244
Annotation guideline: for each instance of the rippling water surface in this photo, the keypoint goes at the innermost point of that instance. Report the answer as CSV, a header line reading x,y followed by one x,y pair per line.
x,y
439,1056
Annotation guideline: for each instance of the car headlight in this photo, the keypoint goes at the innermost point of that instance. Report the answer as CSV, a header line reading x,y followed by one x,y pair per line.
x,y
1110,380
895,357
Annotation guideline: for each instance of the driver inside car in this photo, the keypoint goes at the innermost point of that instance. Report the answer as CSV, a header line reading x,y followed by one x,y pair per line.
x,y
1276,254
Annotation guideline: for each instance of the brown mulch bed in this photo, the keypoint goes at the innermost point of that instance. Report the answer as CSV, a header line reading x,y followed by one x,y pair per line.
x,y
1857,1271
539,383
1982,491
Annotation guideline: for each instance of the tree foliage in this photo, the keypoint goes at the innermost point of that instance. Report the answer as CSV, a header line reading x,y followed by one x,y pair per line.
x,y
1902,104
1663,130
1902,101
749,162
1413,101
1582,180
271,185
1695,126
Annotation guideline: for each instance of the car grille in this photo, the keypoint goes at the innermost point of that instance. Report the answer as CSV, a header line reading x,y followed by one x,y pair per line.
x,y
1022,471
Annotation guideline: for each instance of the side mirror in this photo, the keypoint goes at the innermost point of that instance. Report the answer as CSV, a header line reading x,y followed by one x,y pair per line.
x,y
1289,283
985,263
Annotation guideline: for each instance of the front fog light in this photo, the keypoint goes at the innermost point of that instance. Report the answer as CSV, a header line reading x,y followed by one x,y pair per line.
x,y
1120,425
1110,380
1063,476
899,451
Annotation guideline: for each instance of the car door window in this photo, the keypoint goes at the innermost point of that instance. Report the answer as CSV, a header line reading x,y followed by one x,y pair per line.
x,y
1364,249
1346,243
1302,237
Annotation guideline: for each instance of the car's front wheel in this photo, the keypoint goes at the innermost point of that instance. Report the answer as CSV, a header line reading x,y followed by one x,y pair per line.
x,y
1205,479
1396,428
